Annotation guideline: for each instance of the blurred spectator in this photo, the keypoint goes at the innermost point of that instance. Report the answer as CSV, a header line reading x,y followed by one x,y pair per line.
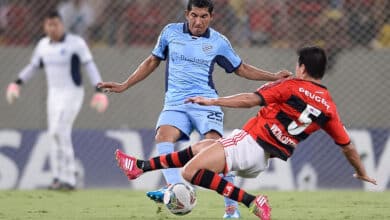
x,y
105,28
241,31
305,19
333,36
38,11
141,22
14,19
180,16
361,25
383,38
380,9
336,4
224,18
261,21
281,24
269,22
77,15
3,16
172,11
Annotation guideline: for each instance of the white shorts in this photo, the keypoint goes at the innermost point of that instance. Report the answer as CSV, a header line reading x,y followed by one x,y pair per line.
x,y
244,155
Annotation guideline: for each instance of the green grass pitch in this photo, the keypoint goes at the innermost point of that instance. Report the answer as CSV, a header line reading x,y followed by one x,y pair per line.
x,y
128,204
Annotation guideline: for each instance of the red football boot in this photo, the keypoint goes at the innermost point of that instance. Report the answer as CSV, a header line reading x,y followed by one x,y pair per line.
x,y
261,208
128,164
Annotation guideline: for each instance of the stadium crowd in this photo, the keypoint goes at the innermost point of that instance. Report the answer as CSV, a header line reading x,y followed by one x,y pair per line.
x,y
332,24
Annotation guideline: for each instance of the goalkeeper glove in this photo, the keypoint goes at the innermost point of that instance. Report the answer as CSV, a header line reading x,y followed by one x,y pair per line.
x,y
99,102
13,92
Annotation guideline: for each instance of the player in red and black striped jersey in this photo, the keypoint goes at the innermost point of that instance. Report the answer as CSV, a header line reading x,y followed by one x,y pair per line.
x,y
293,109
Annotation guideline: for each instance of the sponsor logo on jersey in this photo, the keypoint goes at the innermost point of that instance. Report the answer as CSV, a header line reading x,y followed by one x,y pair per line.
x,y
280,136
314,97
176,57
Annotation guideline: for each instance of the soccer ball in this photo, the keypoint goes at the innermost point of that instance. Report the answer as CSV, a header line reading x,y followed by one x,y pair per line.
x,y
180,198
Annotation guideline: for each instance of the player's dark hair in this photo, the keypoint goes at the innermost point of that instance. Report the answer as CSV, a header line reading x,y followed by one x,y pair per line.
x,y
314,59
53,14
201,4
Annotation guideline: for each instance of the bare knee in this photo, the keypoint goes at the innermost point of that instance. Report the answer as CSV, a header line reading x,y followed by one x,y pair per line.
x,y
201,145
188,173
213,135
167,133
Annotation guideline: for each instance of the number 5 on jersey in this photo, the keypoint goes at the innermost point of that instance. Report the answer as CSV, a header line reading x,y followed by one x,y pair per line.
x,y
304,120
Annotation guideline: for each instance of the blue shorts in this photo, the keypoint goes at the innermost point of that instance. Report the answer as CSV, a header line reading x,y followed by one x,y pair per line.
x,y
188,117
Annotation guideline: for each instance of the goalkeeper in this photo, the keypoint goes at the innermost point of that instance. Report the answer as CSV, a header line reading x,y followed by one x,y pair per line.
x,y
61,55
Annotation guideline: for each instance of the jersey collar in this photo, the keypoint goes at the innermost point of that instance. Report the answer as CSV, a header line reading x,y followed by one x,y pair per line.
x,y
62,39
317,84
186,30
320,85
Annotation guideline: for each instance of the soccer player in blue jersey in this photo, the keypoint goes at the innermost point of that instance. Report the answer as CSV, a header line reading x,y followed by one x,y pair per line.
x,y
191,49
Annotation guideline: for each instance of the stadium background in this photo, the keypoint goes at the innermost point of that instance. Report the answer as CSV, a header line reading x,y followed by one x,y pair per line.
x,y
121,33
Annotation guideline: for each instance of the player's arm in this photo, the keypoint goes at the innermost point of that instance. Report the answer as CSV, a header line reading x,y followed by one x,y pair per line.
x,y
99,100
13,89
242,100
268,93
253,73
335,128
143,71
353,158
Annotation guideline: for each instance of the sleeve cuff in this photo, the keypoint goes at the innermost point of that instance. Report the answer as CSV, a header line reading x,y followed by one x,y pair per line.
x,y
343,145
97,89
236,68
158,57
262,103
19,81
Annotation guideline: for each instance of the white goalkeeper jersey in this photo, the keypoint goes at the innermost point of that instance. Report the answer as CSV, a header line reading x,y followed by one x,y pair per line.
x,y
62,62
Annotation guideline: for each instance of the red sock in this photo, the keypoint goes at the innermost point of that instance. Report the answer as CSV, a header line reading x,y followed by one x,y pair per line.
x,y
175,159
213,181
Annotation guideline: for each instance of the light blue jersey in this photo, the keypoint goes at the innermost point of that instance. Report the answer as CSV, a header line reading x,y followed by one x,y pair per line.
x,y
190,62
189,69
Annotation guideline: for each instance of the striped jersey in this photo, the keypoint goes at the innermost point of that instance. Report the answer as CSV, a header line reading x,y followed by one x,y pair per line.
x,y
190,61
294,109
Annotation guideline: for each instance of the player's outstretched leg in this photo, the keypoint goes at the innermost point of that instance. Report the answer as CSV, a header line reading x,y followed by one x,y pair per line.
x,y
257,205
133,167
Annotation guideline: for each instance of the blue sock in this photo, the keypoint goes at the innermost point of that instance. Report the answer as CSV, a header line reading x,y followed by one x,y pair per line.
x,y
171,175
228,202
